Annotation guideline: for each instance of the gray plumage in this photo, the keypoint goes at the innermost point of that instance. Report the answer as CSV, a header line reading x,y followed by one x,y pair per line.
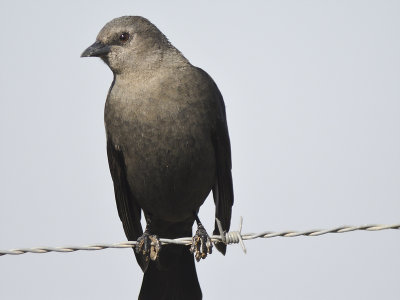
x,y
168,147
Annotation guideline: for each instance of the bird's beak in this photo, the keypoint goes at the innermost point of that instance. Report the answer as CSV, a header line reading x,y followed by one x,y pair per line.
x,y
96,50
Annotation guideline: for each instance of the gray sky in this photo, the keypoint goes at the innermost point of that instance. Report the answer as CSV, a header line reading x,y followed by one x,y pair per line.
x,y
313,102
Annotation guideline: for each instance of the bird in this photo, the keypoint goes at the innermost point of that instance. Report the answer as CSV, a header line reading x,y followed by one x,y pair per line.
x,y
168,147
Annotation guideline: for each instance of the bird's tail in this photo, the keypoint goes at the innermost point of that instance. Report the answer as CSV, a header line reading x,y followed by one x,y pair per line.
x,y
172,277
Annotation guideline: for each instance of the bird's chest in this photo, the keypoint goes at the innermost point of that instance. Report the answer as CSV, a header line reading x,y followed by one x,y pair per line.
x,y
145,122
152,129
165,138
167,149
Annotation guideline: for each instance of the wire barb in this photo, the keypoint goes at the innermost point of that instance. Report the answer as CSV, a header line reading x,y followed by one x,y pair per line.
x,y
232,237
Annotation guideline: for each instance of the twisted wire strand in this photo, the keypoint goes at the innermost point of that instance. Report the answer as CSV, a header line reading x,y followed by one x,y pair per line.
x,y
232,237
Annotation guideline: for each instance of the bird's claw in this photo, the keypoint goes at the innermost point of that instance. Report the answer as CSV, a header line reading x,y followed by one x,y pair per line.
x,y
149,246
201,244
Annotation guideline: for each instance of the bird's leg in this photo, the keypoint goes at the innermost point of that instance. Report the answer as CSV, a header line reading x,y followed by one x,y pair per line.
x,y
201,242
148,244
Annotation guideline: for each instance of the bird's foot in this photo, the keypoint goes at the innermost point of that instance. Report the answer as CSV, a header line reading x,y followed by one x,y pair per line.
x,y
149,246
201,244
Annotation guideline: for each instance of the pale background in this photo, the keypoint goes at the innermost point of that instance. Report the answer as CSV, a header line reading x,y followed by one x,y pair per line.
x,y
313,102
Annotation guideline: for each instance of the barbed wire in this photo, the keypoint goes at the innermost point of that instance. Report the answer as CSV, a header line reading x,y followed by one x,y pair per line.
x,y
232,237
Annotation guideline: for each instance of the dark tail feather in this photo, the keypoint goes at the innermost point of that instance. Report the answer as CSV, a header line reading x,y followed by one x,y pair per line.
x,y
172,277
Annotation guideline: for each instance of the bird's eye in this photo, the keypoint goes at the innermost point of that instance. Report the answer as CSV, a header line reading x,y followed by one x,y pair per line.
x,y
124,37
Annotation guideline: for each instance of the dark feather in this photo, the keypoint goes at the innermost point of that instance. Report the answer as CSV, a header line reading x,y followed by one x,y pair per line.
x,y
223,188
128,210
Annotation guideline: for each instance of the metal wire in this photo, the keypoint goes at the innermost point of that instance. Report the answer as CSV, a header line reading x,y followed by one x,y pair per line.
x,y
232,237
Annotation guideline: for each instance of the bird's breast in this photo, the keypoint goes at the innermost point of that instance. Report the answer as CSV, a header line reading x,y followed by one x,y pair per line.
x,y
168,151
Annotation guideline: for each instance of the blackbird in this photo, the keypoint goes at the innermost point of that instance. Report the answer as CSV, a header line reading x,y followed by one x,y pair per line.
x,y
168,146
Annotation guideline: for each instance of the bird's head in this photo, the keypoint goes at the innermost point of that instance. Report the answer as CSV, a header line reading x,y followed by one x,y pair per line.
x,y
129,43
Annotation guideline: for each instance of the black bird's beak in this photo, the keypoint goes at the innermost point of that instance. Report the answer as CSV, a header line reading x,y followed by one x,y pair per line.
x,y
96,50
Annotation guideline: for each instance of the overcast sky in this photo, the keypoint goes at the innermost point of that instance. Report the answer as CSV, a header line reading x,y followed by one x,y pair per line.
x,y
313,102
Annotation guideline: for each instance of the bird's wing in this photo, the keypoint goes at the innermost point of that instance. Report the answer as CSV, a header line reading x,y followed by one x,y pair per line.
x,y
223,188
128,210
